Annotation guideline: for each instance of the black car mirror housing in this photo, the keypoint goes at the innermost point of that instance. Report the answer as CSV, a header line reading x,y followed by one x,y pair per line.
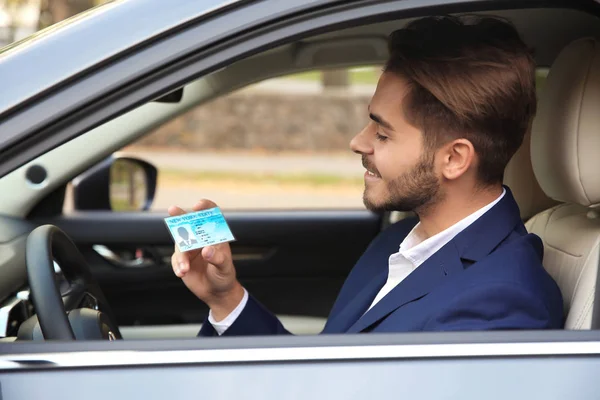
x,y
117,184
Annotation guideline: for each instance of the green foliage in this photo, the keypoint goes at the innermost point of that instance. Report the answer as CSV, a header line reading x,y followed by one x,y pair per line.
x,y
260,178
359,76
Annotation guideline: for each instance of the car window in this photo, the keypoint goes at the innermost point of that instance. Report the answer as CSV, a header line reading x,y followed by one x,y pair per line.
x,y
282,143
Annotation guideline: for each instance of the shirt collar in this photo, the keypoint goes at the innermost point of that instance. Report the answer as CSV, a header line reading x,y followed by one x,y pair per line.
x,y
417,250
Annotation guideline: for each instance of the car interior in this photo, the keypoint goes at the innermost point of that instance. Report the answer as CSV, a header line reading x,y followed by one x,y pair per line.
x,y
552,177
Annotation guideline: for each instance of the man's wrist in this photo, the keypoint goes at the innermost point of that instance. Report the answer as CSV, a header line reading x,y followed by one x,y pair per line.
x,y
224,304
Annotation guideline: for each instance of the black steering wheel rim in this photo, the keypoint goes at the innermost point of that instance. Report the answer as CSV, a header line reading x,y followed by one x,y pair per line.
x,y
46,244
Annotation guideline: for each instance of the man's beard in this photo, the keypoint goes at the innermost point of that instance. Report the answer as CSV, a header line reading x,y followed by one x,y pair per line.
x,y
415,190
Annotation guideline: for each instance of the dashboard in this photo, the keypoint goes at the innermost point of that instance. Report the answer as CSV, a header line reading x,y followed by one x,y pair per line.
x,y
19,307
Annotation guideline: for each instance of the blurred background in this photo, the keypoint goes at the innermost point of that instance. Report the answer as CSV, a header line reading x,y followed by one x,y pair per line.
x,y
21,18
279,144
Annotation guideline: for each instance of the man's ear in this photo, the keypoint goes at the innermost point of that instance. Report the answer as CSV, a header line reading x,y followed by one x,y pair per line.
x,y
457,157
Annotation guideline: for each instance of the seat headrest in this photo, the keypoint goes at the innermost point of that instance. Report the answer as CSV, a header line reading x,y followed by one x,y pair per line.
x,y
565,138
519,177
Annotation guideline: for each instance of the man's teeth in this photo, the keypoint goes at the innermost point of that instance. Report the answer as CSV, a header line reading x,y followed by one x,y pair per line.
x,y
370,173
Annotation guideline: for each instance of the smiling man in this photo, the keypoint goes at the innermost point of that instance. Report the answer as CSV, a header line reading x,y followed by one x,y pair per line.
x,y
451,108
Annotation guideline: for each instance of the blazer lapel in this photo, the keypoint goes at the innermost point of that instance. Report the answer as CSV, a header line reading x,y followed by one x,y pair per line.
x,y
484,235
475,242
419,283
357,306
367,277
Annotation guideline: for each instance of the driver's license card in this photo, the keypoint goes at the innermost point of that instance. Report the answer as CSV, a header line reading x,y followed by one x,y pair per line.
x,y
199,229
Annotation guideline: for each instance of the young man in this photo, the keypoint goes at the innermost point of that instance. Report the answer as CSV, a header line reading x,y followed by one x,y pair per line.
x,y
451,108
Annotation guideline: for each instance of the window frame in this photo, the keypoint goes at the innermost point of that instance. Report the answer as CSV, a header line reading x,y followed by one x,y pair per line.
x,y
130,148
190,58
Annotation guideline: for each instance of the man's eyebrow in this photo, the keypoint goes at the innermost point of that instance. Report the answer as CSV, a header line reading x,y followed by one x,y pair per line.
x,y
380,121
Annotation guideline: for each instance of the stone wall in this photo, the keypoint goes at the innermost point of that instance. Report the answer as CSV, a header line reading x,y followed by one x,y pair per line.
x,y
268,121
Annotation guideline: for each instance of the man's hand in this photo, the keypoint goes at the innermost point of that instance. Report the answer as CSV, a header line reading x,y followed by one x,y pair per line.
x,y
209,272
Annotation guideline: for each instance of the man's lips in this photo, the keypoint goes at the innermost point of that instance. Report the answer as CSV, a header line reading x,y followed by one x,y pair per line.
x,y
370,176
371,170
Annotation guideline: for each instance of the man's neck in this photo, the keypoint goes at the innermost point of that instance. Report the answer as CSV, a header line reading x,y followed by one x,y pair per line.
x,y
455,206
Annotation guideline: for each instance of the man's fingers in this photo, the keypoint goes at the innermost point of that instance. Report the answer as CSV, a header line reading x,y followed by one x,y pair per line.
x,y
203,205
177,266
174,210
214,255
200,205
181,262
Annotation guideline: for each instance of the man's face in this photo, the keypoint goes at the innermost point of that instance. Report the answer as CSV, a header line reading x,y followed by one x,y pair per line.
x,y
400,171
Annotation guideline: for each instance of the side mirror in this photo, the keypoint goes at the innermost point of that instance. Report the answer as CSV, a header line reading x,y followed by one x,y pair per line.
x,y
117,184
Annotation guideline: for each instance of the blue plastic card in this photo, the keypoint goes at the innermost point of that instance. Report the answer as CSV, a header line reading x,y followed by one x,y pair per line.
x,y
199,229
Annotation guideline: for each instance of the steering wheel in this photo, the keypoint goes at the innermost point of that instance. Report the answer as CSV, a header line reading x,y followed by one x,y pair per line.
x,y
81,310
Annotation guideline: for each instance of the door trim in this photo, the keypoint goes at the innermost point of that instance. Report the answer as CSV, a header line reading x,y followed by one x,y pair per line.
x,y
84,359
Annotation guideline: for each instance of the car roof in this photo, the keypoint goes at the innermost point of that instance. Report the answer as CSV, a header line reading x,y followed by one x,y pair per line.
x,y
66,49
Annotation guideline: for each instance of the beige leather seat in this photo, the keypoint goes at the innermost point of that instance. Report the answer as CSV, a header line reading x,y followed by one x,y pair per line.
x,y
519,176
565,155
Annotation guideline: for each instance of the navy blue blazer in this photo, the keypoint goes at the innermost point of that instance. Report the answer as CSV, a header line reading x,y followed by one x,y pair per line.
x,y
490,276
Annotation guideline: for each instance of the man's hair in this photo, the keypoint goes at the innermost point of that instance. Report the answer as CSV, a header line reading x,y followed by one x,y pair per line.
x,y
468,77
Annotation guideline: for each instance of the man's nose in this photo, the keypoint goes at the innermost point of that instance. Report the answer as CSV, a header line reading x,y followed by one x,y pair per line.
x,y
360,144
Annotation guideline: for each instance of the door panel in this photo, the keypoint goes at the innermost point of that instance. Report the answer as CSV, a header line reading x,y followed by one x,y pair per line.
x,y
294,262
500,365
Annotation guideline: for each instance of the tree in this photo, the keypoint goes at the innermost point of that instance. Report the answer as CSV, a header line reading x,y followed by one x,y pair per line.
x,y
53,11
12,8
50,12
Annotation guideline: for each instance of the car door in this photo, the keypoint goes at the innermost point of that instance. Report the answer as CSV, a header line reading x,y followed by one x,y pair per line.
x,y
451,365
297,216
292,256
298,230
281,255
459,366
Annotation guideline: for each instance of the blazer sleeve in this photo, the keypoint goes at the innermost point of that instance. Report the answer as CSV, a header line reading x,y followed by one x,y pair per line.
x,y
495,306
254,319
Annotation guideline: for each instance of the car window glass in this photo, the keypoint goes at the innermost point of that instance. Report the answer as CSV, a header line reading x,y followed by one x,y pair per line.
x,y
282,143
279,144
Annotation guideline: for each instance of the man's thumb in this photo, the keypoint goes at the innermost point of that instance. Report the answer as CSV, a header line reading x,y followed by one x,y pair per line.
x,y
213,256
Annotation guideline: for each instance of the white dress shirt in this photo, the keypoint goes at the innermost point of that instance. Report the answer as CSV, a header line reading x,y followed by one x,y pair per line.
x,y
414,250
224,324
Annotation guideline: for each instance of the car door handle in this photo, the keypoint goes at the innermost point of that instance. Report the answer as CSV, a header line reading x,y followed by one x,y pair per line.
x,y
118,261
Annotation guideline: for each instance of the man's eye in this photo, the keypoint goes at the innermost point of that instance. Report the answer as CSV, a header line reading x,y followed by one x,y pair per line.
x,y
380,137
